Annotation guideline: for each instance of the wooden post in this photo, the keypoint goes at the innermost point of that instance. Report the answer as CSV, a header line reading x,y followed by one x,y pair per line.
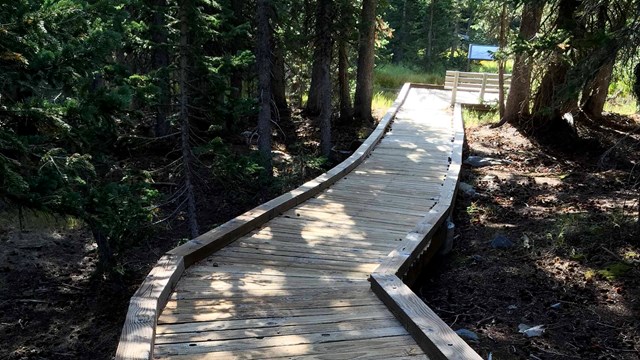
x,y
454,90
484,85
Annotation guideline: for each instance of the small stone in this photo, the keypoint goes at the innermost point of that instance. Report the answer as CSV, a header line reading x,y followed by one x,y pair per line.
x,y
501,242
531,331
467,189
512,307
556,306
467,334
481,161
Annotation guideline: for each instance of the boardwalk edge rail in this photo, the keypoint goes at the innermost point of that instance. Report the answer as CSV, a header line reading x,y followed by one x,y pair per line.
x,y
138,332
432,334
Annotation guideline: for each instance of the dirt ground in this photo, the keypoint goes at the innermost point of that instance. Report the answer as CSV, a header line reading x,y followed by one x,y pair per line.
x,y
575,261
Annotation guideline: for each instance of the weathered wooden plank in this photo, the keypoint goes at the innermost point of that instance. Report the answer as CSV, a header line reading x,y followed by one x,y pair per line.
x,y
378,243
268,293
301,330
266,313
352,218
138,331
293,261
433,335
258,323
277,341
343,252
334,228
377,348
350,207
298,301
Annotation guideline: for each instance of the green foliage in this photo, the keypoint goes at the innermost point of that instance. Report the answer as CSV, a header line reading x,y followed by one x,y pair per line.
x,y
296,170
478,117
122,211
65,101
615,271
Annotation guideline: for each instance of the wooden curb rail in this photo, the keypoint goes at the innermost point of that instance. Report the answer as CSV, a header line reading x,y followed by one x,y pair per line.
x,y
138,332
432,334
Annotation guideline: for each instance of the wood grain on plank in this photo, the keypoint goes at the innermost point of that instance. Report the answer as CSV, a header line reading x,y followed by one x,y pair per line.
x,y
376,348
435,337
137,337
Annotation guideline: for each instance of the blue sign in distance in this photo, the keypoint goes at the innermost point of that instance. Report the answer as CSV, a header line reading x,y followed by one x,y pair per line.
x,y
482,52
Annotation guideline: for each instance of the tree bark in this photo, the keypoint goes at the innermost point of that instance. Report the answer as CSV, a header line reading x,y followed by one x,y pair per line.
x,y
278,81
314,98
187,154
160,64
263,62
595,95
236,75
520,90
503,44
106,260
429,52
346,110
366,48
398,53
322,68
550,101
456,30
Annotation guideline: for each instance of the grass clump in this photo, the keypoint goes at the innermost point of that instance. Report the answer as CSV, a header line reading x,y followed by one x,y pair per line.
x,y
485,66
615,271
621,105
392,77
478,117
383,100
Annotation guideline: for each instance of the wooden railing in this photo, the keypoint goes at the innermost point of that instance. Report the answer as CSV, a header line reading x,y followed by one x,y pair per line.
x,y
474,82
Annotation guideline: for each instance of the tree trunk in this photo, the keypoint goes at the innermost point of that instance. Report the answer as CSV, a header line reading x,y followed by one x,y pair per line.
x,y
346,110
263,62
314,98
595,95
322,67
429,52
398,53
106,260
503,44
545,103
551,100
160,64
236,75
520,90
187,154
278,82
366,48
456,30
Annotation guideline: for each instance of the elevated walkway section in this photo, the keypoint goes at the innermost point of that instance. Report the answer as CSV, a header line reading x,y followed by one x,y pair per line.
x,y
318,272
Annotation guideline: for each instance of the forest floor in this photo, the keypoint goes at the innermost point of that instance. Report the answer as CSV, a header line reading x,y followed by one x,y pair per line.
x,y
567,217
574,263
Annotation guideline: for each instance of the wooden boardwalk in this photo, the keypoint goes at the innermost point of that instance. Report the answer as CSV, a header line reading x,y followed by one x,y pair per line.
x,y
299,286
